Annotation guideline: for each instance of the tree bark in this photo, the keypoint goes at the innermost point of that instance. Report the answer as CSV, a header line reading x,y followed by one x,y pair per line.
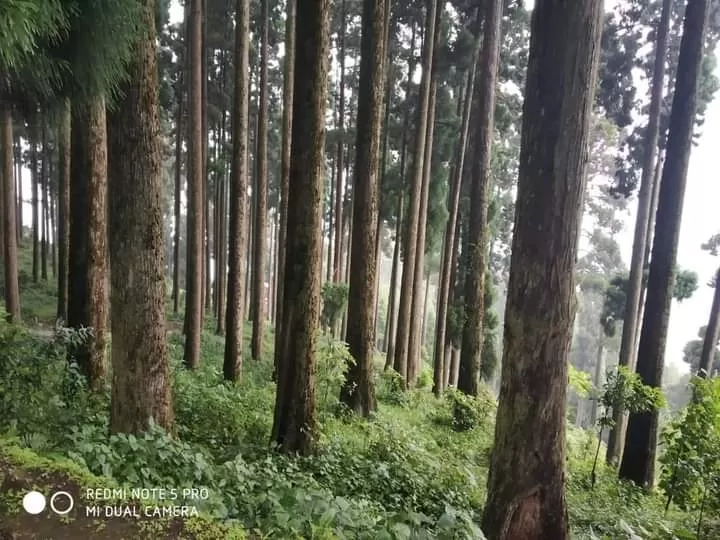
x,y
87,287
194,241
237,262
206,278
410,242
638,462
340,160
43,204
295,423
34,173
448,258
416,312
18,178
526,491
635,280
477,239
288,85
141,374
9,206
712,334
260,197
178,192
63,228
394,272
357,391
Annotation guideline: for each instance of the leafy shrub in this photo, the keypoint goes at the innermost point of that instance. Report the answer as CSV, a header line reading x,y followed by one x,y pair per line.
x,y
469,412
334,301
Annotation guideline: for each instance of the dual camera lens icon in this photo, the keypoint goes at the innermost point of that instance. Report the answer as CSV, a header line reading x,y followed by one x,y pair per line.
x,y
61,502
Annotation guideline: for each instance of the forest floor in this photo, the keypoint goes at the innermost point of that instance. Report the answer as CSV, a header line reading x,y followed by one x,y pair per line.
x,y
417,471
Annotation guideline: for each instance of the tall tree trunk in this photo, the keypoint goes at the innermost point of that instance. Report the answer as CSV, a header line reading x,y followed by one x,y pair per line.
x,y
410,242
452,367
260,242
426,299
179,127
476,243
18,178
599,378
63,237
288,85
394,273
87,287
141,374
34,174
456,176
416,312
712,333
9,206
340,160
237,262
44,180
205,196
194,241
633,304
638,461
222,257
295,423
357,391
526,491
52,230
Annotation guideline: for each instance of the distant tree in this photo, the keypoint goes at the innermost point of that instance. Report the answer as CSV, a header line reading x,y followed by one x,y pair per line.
x,y
638,462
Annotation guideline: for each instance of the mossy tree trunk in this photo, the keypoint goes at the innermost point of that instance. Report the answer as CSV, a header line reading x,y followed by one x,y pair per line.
x,y
357,391
638,461
141,386
237,261
295,423
526,483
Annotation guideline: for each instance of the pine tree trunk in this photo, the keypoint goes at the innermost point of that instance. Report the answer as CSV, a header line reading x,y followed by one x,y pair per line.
x,y
87,286
638,461
394,273
450,345
205,196
526,483
34,173
237,262
288,85
424,333
194,241
18,179
295,423
476,243
635,280
63,237
141,375
712,334
44,179
52,233
260,197
599,379
340,160
179,127
9,207
357,391
439,367
416,313
410,242
222,257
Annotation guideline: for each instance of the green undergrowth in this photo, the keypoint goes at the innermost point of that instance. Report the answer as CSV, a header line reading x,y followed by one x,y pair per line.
x,y
417,470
